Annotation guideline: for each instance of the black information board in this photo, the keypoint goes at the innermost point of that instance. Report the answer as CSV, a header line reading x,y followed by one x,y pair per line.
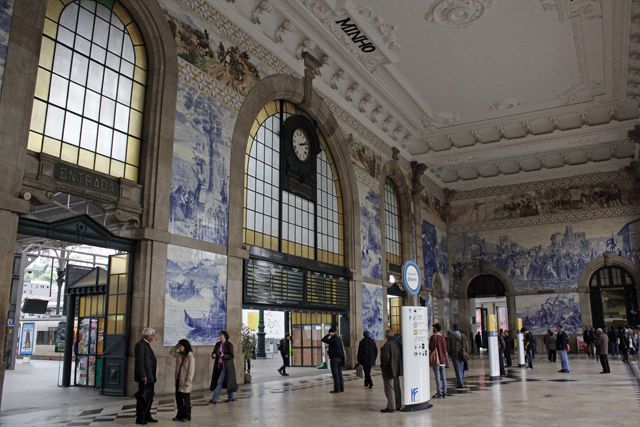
x,y
268,283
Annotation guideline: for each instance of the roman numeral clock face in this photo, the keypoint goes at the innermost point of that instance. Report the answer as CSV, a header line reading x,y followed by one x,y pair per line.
x,y
300,144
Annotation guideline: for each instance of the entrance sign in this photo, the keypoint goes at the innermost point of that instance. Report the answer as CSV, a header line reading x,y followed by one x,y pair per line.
x,y
86,180
28,339
492,343
520,342
411,277
415,358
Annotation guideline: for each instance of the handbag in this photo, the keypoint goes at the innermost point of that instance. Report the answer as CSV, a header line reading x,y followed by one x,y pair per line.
x,y
463,355
359,371
434,359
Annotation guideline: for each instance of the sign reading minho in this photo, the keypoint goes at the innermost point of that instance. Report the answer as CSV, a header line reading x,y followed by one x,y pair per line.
x,y
86,180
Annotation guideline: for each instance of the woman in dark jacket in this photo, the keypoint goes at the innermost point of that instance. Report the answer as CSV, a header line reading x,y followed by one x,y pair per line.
x,y
224,370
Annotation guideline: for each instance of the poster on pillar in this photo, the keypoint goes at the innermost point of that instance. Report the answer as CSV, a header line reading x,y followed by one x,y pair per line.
x,y
415,357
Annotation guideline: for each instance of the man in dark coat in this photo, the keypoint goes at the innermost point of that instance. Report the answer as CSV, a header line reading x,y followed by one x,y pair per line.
x,y
391,367
283,347
145,375
562,346
336,356
367,355
602,347
508,343
587,338
224,370
478,341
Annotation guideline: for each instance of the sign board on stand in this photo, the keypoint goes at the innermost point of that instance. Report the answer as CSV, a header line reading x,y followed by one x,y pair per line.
x,y
28,339
492,343
520,342
415,342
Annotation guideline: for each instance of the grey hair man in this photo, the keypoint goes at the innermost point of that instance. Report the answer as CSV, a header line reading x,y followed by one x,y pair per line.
x,y
602,347
145,370
391,367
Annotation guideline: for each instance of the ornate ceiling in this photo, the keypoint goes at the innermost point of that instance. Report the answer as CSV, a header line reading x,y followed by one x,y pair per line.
x,y
484,92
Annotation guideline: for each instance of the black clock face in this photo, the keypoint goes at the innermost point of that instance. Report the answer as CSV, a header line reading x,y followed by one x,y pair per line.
x,y
300,144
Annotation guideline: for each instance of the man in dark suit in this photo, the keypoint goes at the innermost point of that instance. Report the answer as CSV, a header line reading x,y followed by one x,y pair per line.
x,y
391,367
336,357
145,376
367,355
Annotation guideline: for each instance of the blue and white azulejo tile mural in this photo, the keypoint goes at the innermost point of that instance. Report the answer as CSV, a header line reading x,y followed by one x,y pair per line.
x,y
435,255
428,302
370,233
199,203
372,306
447,316
195,297
6,12
542,312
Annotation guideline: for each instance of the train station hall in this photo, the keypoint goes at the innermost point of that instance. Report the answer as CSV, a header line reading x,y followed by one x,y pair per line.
x,y
320,212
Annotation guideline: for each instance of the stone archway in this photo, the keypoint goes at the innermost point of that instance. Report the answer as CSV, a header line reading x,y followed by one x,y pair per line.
x,y
606,260
464,309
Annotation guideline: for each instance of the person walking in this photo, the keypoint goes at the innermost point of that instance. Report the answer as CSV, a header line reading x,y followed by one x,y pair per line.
x,y
552,341
594,335
478,341
224,370
602,346
562,346
586,336
391,367
336,357
284,347
624,344
185,369
509,347
145,375
613,341
438,343
501,350
456,343
367,355
528,347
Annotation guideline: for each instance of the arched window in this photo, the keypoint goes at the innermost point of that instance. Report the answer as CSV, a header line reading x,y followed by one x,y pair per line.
x,y
393,236
613,298
90,87
308,226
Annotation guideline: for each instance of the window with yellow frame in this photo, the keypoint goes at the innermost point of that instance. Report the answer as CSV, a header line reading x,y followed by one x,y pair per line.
x,y
281,221
393,236
90,87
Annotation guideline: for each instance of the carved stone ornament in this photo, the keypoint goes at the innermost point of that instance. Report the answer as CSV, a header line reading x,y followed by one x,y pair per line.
x,y
457,13
121,216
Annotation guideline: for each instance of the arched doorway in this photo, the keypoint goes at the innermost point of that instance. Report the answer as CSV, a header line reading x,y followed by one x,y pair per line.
x,y
489,294
613,298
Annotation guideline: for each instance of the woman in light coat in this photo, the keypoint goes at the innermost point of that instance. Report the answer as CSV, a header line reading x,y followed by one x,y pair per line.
x,y
185,368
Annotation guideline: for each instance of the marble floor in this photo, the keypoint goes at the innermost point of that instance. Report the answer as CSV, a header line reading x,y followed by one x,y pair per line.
x,y
537,397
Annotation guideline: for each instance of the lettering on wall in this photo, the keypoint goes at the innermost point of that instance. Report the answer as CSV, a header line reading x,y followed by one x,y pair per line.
x,y
86,180
356,35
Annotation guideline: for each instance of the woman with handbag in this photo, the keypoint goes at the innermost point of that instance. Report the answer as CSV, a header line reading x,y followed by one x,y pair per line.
x,y
185,368
458,351
437,357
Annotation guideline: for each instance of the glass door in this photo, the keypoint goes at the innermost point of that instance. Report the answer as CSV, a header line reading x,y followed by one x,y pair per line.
x,y
307,330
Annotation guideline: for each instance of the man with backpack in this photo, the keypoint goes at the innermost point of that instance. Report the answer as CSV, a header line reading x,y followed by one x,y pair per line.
x,y
562,346
455,345
283,347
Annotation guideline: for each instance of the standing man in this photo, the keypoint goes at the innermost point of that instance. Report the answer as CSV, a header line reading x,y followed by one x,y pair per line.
x,y
602,346
284,346
456,342
391,367
586,336
509,346
502,347
562,345
636,340
367,355
478,341
528,347
336,356
145,375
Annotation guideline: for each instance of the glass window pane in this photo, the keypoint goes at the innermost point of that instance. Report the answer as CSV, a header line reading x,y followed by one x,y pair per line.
x,y
89,135
110,84
103,12
72,126
92,105
65,36
82,45
79,69
75,100
100,33
96,72
85,24
69,16
119,149
124,90
58,91
126,69
107,111
55,120
122,117
105,139
113,61
116,37
62,61
127,50
98,54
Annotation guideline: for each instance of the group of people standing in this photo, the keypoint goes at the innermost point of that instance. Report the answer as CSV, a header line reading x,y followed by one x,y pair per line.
x,y
557,345
145,374
623,342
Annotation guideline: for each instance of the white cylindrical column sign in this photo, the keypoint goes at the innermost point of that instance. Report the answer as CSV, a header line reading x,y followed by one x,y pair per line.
x,y
415,358
492,343
520,343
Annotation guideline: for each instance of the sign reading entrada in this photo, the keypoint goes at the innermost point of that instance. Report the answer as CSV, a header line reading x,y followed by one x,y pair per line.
x,y
356,35
86,180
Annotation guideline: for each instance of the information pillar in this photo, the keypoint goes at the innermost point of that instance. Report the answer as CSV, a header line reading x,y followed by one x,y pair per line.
x,y
492,344
415,358
520,342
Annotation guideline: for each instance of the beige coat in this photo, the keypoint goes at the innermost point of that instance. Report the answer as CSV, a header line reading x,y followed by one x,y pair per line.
x,y
188,369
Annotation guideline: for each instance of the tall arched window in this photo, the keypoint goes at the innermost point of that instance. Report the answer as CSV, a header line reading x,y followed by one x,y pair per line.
x,y
90,88
393,236
308,226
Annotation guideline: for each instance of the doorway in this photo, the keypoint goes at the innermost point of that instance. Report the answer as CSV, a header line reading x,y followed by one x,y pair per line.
x,y
613,298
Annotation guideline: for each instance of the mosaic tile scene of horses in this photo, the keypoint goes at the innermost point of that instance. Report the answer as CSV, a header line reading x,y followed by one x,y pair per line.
x,y
542,312
542,257
195,296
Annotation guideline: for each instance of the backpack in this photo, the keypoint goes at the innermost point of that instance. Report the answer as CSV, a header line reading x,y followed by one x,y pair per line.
x,y
280,345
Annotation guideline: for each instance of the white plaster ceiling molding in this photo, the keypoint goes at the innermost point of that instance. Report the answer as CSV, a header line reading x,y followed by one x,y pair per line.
x,y
457,13
506,104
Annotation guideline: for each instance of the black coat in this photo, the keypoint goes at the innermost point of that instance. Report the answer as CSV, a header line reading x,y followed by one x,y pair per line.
x,y
284,348
145,362
230,380
367,352
563,341
508,342
336,349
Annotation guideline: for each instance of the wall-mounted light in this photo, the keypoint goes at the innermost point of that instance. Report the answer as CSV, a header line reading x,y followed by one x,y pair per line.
x,y
392,278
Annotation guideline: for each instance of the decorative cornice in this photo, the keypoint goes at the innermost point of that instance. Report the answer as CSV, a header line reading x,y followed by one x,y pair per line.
x,y
208,85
